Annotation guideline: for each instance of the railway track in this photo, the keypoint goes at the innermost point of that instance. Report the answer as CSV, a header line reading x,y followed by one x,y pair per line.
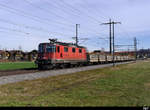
x,y
34,70
21,75
17,71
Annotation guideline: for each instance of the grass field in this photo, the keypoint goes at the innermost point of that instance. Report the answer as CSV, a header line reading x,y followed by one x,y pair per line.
x,y
16,65
124,85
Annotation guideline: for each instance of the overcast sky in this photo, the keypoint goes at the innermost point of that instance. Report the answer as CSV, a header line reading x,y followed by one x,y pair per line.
x,y
27,23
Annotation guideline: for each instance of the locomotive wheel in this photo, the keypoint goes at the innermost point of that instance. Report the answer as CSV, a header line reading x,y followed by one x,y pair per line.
x,y
69,65
40,67
80,65
45,67
62,66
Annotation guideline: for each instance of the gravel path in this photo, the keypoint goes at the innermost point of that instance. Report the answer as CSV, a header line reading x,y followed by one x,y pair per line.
x,y
31,76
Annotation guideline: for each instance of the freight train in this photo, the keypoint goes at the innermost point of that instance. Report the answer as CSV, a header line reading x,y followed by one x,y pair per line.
x,y
59,54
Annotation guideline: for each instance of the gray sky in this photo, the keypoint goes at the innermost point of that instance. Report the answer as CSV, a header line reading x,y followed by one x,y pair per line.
x,y
27,23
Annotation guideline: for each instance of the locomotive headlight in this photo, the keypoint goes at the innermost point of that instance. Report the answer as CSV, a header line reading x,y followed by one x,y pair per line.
x,y
44,57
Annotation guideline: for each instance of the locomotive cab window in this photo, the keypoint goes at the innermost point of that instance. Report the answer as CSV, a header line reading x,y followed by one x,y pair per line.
x,y
50,48
41,48
80,50
73,50
65,49
58,49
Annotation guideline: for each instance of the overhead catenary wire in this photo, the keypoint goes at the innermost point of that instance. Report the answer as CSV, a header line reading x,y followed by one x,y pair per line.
x,y
39,7
73,13
21,11
6,32
98,13
79,11
45,21
30,16
62,9
26,27
15,30
91,38
30,27
48,12
23,25
57,5
18,32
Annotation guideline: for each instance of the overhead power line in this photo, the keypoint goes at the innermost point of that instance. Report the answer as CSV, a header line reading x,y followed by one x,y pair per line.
x,y
23,25
30,16
15,30
42,8
71,11
49,12
29,27
110,36
62,8
81,12
98,13
111,25
135,47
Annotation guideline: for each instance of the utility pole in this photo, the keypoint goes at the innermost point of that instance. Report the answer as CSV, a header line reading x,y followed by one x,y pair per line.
x,y
77,25
135,48
113,37
110,39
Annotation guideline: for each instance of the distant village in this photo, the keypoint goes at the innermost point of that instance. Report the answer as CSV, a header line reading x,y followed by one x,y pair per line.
x,y
17,55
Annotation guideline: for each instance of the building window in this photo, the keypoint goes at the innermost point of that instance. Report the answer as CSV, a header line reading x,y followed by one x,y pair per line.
x,y
65,49
80,50
73,50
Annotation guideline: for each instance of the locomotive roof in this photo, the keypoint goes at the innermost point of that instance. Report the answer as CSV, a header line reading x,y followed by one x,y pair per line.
x,y
65,44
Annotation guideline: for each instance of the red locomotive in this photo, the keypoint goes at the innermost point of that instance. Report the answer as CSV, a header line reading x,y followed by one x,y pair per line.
x,y
59,54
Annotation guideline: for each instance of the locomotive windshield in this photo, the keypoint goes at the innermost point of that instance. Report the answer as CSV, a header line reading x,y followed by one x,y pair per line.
x,y
47,48
41,48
